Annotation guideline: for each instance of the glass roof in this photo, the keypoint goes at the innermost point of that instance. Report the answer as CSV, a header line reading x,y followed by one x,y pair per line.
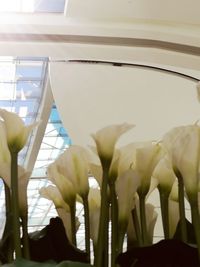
x,y
22,83
33,6
21,89
55,141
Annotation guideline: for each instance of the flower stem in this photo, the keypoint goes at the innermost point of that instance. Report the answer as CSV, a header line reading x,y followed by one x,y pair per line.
x,y
87,226
196,223
114,225
7,234
73,223
15,205
164,204
136,226
183,225
106,238
100,253
25,238
143,220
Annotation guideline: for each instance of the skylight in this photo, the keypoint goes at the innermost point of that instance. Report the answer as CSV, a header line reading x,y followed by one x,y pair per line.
x,y
22,82
21,88
33,6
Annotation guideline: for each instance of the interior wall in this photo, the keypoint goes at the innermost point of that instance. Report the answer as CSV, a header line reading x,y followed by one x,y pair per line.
x,y
181,11
91,96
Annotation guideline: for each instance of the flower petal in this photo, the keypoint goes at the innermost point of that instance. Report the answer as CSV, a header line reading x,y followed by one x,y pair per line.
x,y
16,131
107,137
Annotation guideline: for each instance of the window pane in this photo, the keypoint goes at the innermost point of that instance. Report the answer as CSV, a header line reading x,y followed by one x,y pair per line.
x,y
56,6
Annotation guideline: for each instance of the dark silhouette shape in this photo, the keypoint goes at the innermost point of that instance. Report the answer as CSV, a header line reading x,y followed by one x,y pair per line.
x,y
51,243
191,239
166,253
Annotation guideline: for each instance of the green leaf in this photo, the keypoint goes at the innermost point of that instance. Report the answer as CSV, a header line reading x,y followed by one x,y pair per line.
x,y
26,263
73,264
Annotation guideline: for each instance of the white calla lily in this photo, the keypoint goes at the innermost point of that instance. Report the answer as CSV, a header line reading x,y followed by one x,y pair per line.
x,y
64,185
107,137
5,158
74,165
80,165
94,199
151,216
146,159
66,218
186,156
174,192
153,186
188,163
97,172
126,187
16,131
52,193
171,137
126,158
113,171
61,165
165,175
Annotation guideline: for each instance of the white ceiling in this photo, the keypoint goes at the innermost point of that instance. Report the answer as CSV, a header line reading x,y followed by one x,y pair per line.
x,y
91,96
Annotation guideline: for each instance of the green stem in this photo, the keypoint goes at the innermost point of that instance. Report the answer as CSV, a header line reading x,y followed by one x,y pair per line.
x,y
7,234
143,220
25,238
137,226
94,249
73,223
196,223
87,226
106,238
164,204
183,225
114,225
15,205
100,253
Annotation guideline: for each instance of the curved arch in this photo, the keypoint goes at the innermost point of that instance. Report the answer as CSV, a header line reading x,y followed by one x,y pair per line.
x,y
147,66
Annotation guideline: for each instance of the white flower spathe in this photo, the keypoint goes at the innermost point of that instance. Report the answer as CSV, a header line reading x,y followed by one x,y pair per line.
x,y
5,158
16,131
74,165
147,158
63,184
52,193
165,175
126,187
94,200
185,154
107,137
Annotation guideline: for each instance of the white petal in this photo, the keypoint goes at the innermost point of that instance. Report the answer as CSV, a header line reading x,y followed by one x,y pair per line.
x,y
107,137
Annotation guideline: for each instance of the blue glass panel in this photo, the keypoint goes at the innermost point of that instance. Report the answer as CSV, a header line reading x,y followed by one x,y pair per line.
x,y
29,89
56,121
56,6
29,71
54,116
